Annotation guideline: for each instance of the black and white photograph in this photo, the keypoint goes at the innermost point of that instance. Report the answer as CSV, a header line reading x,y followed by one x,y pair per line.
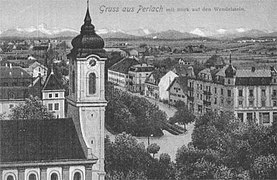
x,y
138,89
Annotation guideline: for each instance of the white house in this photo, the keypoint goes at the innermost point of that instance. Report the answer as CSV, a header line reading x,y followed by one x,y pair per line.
x,y
164,84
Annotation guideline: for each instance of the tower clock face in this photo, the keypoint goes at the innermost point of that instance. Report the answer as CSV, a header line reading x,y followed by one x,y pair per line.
x,y
92,61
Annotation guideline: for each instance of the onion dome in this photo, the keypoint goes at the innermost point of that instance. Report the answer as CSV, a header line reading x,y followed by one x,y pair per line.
x,y
87,41
230,71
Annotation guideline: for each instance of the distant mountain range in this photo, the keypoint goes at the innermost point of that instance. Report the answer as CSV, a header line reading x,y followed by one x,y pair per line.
x,y
41,31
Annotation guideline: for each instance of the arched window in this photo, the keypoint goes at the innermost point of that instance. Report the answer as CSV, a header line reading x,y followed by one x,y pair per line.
x,y
77,176
32,177
73,82
10,177
92,83
54,176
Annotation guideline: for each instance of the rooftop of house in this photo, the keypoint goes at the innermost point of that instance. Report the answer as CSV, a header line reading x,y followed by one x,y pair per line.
x,y
123,65
157,75
39,140
142,68
52,83
182,81
12,72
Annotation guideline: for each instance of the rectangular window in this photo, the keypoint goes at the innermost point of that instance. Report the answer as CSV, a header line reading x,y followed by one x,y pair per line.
x,y
240,103
251,103
229,93
56,95
263,92
240,92
263,103
50,95
50,107
265,118
215,90
222,92
240,116
56,106
251,92
222,101
274,92
11,106
215,100
274,103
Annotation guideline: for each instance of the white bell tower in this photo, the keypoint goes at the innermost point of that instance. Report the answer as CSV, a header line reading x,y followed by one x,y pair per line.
x,y
86,100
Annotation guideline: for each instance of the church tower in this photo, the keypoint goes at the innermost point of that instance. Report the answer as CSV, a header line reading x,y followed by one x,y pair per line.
x,y
86,99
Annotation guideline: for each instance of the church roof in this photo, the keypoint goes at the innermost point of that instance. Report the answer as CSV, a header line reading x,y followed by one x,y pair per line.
x,y
52,83
39,140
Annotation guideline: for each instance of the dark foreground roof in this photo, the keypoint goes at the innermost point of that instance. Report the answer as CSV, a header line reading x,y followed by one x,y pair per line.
x,y
39,140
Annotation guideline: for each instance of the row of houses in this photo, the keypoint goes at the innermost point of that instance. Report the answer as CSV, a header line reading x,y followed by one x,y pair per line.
x,y
18,83
251,93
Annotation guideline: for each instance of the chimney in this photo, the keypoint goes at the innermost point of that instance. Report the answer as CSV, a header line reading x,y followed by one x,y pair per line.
x,y
253,69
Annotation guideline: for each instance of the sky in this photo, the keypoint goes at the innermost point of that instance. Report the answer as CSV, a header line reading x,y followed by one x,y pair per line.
x,y
251,14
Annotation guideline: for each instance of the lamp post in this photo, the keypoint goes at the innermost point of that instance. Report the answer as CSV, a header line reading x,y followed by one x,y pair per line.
x,y
149,139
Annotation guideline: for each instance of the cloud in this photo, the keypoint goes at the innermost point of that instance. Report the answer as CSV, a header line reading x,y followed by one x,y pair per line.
x,y
240,30
221,31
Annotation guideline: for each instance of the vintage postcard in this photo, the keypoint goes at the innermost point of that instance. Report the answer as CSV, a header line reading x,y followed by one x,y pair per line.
x,y
138,89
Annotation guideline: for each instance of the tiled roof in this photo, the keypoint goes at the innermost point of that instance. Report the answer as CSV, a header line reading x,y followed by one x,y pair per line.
x,y
39,140
123,65
255,73
52,83
181,70
14,72
182,81
157,75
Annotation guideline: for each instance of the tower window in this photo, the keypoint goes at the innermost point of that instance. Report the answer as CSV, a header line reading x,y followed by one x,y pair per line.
x,y
92,83
73,82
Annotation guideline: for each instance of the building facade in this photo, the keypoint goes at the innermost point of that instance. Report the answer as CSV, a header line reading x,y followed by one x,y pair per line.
x,y
249,93
137,76
178,90
53,96
118,73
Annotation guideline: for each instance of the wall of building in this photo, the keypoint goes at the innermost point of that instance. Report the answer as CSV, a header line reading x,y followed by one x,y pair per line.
x,y
117,78
164,84
55,102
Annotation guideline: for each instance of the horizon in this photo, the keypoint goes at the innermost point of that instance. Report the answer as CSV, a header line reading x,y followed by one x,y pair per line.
x,y
255,14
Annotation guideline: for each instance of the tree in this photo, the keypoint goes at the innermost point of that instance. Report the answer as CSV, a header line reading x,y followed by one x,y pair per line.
x,y
153,149
183,115
125,158
32,109
132,114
